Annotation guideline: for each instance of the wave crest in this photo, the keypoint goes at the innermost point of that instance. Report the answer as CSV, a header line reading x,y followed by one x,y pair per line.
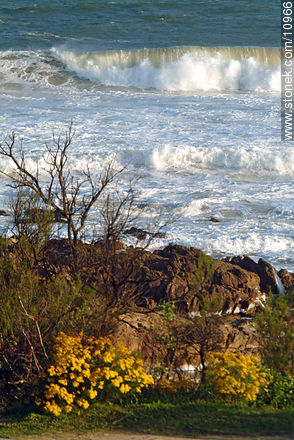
x,y
257,160
180,68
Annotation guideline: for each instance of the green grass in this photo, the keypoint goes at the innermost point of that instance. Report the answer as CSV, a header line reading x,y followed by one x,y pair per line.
x,y
162,418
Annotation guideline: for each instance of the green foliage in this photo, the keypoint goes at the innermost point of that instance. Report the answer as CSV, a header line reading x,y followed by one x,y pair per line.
x,y
274,323
209,303
32,311
203,269
280,392
167,310
166,338
174,391
32,219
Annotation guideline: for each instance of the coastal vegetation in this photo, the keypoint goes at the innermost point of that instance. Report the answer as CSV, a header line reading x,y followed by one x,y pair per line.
x,y
66,304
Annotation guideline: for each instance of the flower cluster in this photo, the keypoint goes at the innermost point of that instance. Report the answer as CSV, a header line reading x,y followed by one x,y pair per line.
x,y
81,368
236,377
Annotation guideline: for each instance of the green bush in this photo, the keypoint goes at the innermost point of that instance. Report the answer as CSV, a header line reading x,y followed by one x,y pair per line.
x,y
280,392
274,323
32,311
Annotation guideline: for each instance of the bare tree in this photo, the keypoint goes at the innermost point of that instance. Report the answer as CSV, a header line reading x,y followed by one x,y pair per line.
x,y
118,213
63,192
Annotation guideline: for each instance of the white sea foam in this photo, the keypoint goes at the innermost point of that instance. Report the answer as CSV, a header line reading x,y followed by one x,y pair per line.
x,y
180,69
242,159
195,208
31,67
253,242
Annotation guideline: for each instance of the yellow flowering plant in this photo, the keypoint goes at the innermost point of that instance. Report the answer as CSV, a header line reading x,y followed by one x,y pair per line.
x,y
82,368
235,377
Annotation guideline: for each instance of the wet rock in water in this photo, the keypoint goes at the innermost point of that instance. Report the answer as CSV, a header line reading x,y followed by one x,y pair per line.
x,y
140,234
215,219
59,216
4,213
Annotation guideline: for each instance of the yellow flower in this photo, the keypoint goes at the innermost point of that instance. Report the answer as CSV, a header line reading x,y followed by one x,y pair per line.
x,y
117,381
124,388
236,376
88,365
101,384
92,393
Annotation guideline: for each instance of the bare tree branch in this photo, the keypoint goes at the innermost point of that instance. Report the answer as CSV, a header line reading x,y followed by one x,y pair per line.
x,y
63,192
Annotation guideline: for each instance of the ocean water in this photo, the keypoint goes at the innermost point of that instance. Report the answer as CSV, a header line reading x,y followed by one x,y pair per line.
x,y
185,94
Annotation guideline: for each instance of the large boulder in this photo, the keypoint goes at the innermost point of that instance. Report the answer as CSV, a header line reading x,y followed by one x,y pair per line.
x,y
185,275
264,270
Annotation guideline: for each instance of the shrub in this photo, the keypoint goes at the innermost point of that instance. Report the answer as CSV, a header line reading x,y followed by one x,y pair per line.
x,y
274,323
280,392
85,368
236,377
32,311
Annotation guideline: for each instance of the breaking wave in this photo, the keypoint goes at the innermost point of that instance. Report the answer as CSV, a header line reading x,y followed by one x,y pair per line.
x,y
185,69
257,160
180,68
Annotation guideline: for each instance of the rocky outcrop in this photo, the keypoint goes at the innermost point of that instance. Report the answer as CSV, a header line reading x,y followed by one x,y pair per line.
x,y
264,270
185,275
176,273
141,234
35,215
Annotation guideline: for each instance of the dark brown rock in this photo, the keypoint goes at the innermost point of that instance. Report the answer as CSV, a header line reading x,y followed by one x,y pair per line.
x,y
215,219
287,278
34,215
264,270
175,279
176,273
268,278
